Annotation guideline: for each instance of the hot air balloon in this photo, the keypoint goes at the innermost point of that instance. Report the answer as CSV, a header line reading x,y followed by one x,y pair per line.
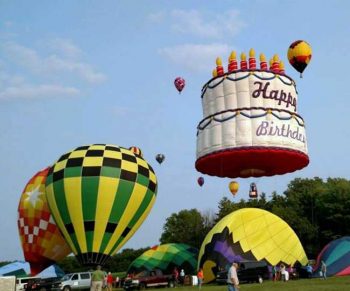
x,y
137,151
160,158
200,181
233,186
250,126
99,196
179,84
249,234
336,255
253,191
166,257
299,55
42,241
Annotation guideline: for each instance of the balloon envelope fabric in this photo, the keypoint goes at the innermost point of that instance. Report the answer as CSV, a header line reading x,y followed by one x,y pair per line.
x,y
165,257
249,234
336,256
42,241
99,195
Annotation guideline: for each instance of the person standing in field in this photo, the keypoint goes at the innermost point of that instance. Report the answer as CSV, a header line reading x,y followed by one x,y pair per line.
x,y
232,278
200,277
97,279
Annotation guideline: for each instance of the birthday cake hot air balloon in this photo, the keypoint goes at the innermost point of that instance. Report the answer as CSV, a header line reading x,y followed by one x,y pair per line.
x,y
42,241
250,126
99,196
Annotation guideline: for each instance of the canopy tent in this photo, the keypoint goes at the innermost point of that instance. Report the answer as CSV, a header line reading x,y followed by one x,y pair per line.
x,y
22,269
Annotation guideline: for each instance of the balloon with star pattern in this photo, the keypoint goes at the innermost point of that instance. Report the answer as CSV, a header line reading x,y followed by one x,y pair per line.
x,y
42,241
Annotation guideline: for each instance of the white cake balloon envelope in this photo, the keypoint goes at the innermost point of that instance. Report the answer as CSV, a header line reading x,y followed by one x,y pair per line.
x,y
250,126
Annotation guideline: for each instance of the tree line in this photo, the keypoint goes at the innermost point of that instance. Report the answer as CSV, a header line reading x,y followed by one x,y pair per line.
x,y
317,210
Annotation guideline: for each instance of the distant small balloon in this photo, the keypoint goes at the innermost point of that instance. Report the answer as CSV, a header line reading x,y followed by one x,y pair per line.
x,y
299,55
137,151
253,191
160,158
233,186
200,181
179,84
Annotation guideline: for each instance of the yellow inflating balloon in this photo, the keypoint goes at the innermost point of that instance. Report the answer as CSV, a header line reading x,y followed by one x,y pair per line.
x,y
251,234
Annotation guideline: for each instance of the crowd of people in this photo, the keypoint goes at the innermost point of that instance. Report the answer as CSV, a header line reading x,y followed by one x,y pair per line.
x,y
279,273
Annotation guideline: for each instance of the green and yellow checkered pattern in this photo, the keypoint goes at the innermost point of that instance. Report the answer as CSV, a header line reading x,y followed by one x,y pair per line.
x,y
99,195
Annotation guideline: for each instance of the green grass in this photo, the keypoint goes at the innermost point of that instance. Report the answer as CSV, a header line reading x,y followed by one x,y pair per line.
x,y
334,283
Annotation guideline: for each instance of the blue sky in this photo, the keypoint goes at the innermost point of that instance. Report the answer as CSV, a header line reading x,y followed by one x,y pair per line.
x,y
82,72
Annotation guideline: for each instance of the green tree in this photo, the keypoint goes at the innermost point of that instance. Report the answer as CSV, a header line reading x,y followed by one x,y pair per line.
x,y
187,227
120,262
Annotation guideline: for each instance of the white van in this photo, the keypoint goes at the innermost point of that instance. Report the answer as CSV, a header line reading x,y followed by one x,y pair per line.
x,y
21,282
73,281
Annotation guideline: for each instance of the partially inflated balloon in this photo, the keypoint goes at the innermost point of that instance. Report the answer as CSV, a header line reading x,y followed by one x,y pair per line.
x,y
160,158
99,196
200,181
179,84
249,234
42,242
233,186
299,55
166,257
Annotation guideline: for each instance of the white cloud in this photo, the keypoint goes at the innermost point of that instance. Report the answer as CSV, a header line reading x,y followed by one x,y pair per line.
x,y
66,47
39,91
213,26
53,64
196,57
157,17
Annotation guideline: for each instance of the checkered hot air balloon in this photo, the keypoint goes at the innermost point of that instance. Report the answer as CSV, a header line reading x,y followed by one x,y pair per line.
x,y
99,196
42,241
179,84
299,55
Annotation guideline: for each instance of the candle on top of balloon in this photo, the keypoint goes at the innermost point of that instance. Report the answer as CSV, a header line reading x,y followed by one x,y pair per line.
x,y
276,65
299,56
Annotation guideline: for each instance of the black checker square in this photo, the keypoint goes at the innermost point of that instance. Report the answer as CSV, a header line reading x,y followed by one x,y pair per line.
x,y
111,148
143,171
91,171
69,228
110,228
150,168
57,176
152,186
89,225
130,158
125,232
64,157
94,153
128,176
110,162
82,148
74,162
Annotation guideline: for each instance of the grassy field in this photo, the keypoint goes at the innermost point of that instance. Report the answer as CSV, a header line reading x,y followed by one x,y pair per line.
x,y
335,283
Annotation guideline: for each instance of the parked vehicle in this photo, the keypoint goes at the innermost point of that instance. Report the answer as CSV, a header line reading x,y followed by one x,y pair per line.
x,y
248,271
73,281
22,282
41,284
154,278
